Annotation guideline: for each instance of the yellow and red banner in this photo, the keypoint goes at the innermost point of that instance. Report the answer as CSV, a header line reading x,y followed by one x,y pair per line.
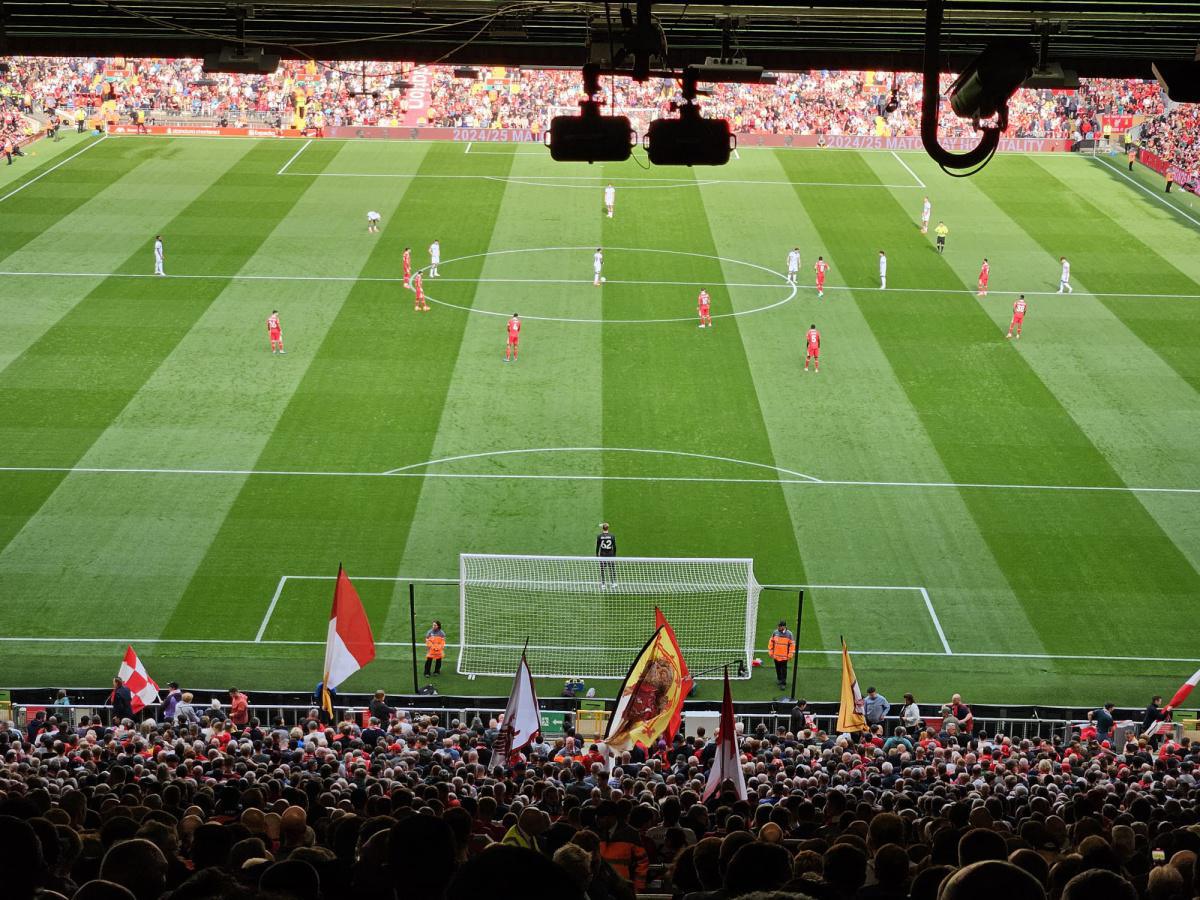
x,y
651,698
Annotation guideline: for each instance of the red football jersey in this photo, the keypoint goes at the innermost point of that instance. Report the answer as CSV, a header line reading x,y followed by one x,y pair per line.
x,y
822,267
704,300
407,260
1019,308
514,329
814,338
272,323
983,272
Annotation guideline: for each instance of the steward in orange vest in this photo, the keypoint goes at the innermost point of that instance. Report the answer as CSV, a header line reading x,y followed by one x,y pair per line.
x,y
435,648
781,648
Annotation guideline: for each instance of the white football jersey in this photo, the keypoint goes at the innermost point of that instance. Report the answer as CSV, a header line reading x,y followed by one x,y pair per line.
x,y
793,261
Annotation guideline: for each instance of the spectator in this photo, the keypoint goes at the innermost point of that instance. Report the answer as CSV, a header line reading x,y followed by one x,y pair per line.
x,y
910,714
171,703
122,701
239,709
875,707
1103,719
184,710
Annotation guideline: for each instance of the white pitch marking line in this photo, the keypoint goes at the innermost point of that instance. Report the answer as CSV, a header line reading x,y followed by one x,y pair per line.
x,y
806,480
685,454
10,639
295,155
907,169
1137,184
468,150
270,610
57,165
735,154
936,622
628,183
389,280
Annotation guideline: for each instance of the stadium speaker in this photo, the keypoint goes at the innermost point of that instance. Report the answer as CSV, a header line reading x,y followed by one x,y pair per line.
x,y
689,141
590,138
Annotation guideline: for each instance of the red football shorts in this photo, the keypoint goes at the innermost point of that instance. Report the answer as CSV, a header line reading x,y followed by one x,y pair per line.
x,y
513,340
276,336
814,352
1018,318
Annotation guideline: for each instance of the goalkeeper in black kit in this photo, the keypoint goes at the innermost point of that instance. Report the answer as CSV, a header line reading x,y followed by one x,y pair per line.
x,y
606,547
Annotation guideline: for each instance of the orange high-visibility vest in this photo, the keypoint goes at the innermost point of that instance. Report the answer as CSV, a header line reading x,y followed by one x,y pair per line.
x,y
435,646
781,647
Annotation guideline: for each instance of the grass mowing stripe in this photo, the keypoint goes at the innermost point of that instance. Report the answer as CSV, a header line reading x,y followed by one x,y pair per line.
x,y
1066,558
687,388
70,386
385,371
1085,233
216,396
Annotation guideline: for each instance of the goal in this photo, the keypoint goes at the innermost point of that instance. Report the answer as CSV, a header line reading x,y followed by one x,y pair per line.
x,y
588,616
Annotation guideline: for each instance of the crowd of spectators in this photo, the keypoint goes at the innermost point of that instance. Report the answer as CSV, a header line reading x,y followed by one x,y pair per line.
x,y
214,803
815,102
1175,137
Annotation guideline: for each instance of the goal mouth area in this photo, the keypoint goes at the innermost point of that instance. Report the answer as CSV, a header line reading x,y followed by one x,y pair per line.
x,y
589,616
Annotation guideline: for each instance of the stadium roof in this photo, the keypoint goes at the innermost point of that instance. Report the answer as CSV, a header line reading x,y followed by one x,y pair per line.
x,y
1094,37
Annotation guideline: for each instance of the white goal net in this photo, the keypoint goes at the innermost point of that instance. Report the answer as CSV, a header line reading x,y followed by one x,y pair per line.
x,y
589,616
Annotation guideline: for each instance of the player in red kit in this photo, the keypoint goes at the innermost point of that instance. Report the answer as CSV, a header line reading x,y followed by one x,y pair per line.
x,y
702,306
419,294
407,266
821,267
813,339
274,332
1018,317
984,271
514,338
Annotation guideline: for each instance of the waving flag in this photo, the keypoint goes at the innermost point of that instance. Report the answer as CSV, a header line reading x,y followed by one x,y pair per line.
x,y
651,696
1184,690
660,621
349,644
851,715
727,764
139,682
521,717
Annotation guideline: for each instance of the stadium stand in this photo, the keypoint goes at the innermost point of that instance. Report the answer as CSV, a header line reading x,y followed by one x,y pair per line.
x,y
200,807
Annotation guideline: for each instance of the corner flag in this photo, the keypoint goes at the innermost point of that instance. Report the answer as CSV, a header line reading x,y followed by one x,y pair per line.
x,y
851,715
349,644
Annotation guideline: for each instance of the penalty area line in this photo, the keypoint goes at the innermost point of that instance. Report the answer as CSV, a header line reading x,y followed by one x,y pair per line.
x,y
57,165
295,156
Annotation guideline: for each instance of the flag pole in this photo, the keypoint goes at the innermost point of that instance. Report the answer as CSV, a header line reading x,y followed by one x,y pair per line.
x,y
412,621
796,659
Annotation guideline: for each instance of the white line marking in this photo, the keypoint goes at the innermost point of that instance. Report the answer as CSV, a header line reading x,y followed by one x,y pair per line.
x,y
11,639
624,183
735,154
936,622
303,147
1137,184
397,280
492,453
468,150
691,318
270,610
57,165
920,183
807,480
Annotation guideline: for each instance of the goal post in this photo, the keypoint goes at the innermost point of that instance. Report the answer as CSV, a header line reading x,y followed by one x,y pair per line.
x,y
588,616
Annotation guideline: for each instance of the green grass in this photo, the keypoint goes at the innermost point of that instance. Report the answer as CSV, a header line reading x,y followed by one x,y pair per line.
x,y
942,449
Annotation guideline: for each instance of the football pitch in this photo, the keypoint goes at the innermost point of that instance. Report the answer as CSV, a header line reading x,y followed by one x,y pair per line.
x,y
1018,521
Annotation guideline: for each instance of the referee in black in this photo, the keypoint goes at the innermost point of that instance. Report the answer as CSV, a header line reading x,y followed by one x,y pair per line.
x,y
606,547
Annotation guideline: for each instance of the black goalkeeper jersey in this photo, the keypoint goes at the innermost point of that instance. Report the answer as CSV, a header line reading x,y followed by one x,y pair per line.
x,y
606,544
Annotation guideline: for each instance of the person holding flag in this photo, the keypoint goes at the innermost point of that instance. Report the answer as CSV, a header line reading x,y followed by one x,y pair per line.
x,y
349,644
133,688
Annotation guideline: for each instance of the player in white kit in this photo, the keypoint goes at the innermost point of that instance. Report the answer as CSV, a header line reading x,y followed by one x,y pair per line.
x,y
1064,282
610,198
926,209
793,264
882,271
158,255
372,221
435,257
597,265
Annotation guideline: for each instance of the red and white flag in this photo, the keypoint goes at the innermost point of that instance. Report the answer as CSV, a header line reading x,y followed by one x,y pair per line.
x,y
139,682
349,644
1184,690
727,765
521,717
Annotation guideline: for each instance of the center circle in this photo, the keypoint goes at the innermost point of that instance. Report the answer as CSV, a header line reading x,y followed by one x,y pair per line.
x,y
758,278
